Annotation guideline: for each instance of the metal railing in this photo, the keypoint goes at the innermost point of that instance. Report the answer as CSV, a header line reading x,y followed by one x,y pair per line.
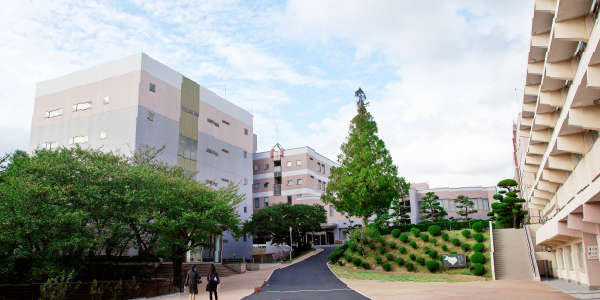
x,y
492,250
531,254
277,189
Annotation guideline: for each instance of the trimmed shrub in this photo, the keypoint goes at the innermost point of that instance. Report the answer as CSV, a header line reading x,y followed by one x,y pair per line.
x,y
445,236
392,245
371,246
477,258
399,261
424,237
340,263
378,260
382,249
402,250
396,233
413,244
477,269
433,254
348,257
387,267
432,266
349,244
389,257
409,266
357,261
455,241
336,254
415,231
404,238
465,247
425,249
466,233
365,265
412,256
420,261
479,247
453,252
478,227
382,241
478,237
353,247
444,247
434,230
433,241
361,251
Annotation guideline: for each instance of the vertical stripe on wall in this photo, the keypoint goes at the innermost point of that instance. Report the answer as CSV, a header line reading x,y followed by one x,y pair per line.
x,y
188,125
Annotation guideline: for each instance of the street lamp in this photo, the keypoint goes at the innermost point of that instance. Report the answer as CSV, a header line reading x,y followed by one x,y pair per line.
x,y
290,243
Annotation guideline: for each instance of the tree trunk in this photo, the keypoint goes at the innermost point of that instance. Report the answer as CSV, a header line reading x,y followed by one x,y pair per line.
x,y
365,220
516,221
177,263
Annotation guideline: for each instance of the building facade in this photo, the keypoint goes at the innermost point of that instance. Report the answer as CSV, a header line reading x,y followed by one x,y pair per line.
x,y
557,157
134,101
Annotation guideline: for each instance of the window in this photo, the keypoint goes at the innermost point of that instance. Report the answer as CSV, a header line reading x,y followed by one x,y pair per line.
x,y
102,135
319,167
150,116
210,182
188,148
343,213
106,100
311,158
225,122
323,169
256,185
299,181
331,211
212,122
289,164
562,258
266,201
289,182
486,205
298,163
580,259
245,210
266,166
245,154
256,167
245,239
245,181
323,187
53,113
224,180
570,257
245,131
313,177
78,139
556,260
153,88
289,198
451,205
191,112
82,106
50,145
319,185
225,150
256,202
266,184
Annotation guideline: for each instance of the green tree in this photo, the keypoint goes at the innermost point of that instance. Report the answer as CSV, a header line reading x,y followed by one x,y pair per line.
x,y
508,212
466,207
366,181
431,208
274,222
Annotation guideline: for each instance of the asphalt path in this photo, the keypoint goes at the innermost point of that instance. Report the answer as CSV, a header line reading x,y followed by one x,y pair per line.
x,y
308,279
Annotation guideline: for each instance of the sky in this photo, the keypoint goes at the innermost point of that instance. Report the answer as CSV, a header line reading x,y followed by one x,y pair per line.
x,y
440,76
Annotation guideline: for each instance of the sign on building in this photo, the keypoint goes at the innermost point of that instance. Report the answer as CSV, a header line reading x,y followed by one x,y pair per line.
x,y
592,252
454,260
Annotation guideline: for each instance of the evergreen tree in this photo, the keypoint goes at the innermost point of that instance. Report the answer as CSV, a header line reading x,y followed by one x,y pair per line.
x,y
431,208
465,206
366,182
508,212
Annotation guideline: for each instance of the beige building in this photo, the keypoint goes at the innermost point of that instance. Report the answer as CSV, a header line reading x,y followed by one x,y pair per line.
x,y
557,159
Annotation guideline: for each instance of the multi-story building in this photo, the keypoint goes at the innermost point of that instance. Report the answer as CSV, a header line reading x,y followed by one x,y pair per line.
x,y
558,159
135,101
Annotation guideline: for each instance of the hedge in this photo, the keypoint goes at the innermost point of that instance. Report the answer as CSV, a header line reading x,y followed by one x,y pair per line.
x,y
445,225
378,260
382,241
348,257
371,246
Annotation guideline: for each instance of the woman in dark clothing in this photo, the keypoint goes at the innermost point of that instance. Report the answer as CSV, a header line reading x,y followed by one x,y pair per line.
x,y
213,282
191,281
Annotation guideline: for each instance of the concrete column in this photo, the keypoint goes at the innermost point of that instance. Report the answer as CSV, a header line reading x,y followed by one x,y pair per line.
x,y
592,266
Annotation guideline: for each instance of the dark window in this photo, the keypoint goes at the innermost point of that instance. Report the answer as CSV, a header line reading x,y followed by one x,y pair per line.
x,y
266,201
266,184
245,131
245,209
256,185
256,202
153,88
289,198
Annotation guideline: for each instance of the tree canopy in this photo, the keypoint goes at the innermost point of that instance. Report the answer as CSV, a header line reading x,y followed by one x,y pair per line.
x,y
508,211
465,204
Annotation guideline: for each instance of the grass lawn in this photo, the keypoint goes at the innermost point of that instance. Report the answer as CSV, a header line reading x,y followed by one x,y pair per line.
x,y
360,275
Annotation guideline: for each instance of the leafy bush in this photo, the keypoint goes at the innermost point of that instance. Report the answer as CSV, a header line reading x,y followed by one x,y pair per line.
x,y
387,266
409,266
378,260
412,256
478,258
453,252
396,233
399,261
420,261
455,241
382,241
365,241
361,251
466,233
432,266
433,241
350,244
478,227
392,245
479,247
445,236
413,244
465,247
336,254
415,231
353,247
444,247
389,257
477,269
382,249
365,265
340,263
402,250
357,261
478,237
404,238
425,249
425,237
348,257
433,254
434,230
371,246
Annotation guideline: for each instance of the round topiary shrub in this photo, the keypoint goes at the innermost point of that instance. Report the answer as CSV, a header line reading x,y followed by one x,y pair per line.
x,y
434,230
413,244
477,258
432,266
466,233
455,241
365,265
402,250
479,247
389,257
396,233
361,251
424,237
478,227
378,260
357,261
445,236
340,263
409,266
453,252
415,231
444,247
420,261
399,261
478,237
404,238
371,246
412,256
433,254
465,247
387,267
425,249
348,257
354,247
382,249
433,241
382,241
392,245
477,269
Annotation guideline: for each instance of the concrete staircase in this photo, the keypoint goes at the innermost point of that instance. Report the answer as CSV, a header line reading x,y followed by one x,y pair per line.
x,y
511,258
165,270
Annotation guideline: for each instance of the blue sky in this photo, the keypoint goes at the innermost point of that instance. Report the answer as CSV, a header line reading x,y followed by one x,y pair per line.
x,y
440,75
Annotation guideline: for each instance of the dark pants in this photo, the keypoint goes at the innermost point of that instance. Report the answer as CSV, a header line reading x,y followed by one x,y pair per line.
x,y
216,297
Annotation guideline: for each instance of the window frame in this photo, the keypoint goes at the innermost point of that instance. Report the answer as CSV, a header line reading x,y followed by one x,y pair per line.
x,y
298,181
299,163
152,87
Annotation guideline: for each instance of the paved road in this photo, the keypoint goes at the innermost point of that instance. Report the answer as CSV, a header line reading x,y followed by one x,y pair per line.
x,y
308,279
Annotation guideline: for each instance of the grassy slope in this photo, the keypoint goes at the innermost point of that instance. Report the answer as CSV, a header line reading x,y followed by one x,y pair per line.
x,y
358,275
370,254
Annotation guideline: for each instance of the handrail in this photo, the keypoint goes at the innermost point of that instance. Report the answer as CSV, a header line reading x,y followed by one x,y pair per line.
x,y
492,250
531,254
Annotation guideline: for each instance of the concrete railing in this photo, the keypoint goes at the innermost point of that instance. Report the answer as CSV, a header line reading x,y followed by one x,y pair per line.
x,y
492,250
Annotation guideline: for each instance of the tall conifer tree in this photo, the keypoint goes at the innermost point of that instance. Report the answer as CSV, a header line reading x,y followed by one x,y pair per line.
x,y
431,208
465,204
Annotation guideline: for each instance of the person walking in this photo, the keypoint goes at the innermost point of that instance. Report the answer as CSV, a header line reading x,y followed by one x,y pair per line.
x,y
191,281
213,282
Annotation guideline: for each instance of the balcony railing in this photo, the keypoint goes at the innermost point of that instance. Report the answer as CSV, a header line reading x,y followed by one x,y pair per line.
x,y
277,171
277,189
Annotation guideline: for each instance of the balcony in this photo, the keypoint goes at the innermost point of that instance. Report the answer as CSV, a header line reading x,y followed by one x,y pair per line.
x,y
277,171
277,190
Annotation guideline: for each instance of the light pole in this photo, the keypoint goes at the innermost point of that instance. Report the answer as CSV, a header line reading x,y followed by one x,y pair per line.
x,y
290,243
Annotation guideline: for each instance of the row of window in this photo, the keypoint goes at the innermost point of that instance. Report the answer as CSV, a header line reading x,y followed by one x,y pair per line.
x,y
188,148
580,256
332,211
76,107
81,139
321,168
191,112
214,183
